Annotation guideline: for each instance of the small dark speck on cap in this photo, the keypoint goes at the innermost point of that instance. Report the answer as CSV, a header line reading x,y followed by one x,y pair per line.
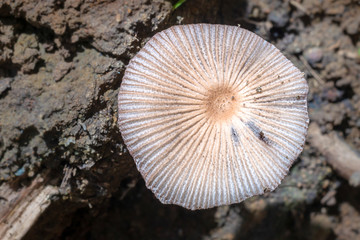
x,y
234,135
257,132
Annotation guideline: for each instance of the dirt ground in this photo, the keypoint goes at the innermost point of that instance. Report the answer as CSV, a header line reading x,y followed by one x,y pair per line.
x,y
61,65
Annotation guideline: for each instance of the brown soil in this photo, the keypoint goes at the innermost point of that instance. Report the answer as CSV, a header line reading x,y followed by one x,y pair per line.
x,y
61,65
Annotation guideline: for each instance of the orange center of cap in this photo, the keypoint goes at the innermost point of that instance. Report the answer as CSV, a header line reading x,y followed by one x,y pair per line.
x,y
221,104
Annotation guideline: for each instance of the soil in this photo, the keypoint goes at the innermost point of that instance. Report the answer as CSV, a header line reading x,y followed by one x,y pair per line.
x,y
61,65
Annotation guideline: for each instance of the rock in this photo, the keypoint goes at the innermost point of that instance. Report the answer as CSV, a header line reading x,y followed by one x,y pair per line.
x,y
333,94
346,81
279,17
26,52
353,26
313,55
355,179
96,20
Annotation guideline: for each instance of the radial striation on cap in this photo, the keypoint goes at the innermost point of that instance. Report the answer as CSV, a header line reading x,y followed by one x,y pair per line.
x,y
212,115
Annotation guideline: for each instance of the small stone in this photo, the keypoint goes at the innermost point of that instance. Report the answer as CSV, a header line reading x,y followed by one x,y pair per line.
x,y
331,202
31,173
329,198
26,52
333,94
346,81
355,179
20,172
353,26
279,17
68,141
313,55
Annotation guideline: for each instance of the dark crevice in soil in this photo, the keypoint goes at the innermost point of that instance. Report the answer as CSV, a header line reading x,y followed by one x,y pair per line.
x,y
355,38
348,92
276,33
5,10
5,92
38,65
352,198
343,126
52,137
27,134
306,19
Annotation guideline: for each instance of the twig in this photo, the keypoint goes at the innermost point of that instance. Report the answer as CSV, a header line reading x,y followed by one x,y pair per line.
x,y
23,207
299,6
337,152
312,71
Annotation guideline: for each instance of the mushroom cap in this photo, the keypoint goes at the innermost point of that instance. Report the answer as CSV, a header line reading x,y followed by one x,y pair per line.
x,y
212,114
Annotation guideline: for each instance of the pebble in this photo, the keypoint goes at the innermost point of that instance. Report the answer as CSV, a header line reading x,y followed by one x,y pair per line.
x,y
355,179
313,55
19,172
279,17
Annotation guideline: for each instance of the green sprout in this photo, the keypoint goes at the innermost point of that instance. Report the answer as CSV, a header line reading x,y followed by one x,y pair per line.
x,y
359,52
178,4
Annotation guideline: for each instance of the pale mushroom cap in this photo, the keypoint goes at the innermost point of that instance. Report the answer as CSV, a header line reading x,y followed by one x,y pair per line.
x,y
212,115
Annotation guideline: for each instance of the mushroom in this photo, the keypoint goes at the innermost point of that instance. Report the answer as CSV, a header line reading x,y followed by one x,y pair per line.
x,y
212,115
